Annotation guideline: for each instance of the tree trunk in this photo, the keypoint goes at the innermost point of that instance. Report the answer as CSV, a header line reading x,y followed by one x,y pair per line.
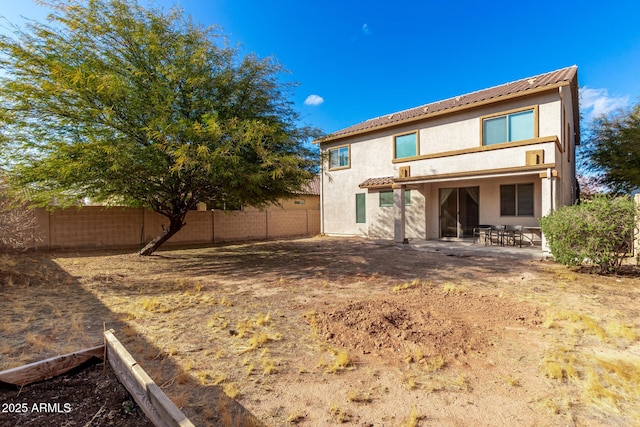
x,y
175,225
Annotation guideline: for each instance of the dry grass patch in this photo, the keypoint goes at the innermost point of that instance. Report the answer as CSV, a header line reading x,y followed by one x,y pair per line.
x,y
608,380
255,317
408,285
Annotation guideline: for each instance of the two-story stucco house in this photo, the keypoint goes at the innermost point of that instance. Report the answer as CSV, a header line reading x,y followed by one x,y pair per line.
x,y
503,155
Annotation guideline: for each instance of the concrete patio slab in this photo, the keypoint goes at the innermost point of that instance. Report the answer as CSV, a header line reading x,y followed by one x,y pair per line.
x,y
466,247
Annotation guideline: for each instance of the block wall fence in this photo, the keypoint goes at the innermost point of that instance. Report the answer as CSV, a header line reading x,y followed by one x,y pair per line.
x,y
96,227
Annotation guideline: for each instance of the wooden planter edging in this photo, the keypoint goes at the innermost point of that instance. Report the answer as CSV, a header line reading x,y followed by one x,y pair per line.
x,y
151,399
154,403
49,368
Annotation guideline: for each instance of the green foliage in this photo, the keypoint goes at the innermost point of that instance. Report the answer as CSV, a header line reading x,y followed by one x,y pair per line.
x,y
140,107
612,150
597,232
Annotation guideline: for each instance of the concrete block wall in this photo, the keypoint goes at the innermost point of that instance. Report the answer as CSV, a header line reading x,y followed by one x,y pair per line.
x,y
314,222
238,225
199,228
95,227
287,222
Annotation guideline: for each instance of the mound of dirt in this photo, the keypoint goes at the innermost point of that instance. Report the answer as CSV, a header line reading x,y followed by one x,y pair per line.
x,y
425,320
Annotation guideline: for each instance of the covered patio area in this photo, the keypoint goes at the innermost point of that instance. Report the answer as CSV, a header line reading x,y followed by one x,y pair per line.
x,y
467,248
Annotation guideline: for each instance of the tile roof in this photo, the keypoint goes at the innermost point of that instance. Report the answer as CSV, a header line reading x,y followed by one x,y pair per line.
x,y
552,79
311,188
377,182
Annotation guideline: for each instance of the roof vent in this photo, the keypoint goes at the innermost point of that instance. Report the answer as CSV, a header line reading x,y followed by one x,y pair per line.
x,y
425,109
531,81
389,117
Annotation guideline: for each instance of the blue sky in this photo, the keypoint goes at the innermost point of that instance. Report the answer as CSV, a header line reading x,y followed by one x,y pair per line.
x,y
355,60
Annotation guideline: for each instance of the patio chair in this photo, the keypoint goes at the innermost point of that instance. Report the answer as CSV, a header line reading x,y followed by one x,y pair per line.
x,y
482,232
497,235
513,234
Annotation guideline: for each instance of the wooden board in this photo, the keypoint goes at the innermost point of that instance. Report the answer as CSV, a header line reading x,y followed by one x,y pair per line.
x,y
154,403
49,368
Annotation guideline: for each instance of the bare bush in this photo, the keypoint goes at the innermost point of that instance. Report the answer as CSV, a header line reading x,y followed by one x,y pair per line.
x,y
17,223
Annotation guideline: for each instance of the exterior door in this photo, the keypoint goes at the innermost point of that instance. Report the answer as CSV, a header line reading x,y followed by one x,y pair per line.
x,y
459,211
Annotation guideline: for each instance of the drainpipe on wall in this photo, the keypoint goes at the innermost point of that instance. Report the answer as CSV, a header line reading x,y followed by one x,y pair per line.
x,y
552,201
321,193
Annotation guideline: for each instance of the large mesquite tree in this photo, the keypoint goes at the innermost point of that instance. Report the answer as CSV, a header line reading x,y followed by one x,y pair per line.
x,y
141,107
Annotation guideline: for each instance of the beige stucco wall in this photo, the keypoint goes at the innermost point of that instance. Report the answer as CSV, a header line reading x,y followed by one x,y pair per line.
x,y
462,130
380,220
372,157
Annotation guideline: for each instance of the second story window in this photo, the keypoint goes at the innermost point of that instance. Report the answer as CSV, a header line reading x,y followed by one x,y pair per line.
x,y
339,158
405,145
516,126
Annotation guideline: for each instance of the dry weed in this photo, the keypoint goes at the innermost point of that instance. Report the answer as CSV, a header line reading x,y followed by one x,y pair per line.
x,y
355,395
231,390
295,417
269,366
433,364
407,285
342,361
340,415
413,419
452,289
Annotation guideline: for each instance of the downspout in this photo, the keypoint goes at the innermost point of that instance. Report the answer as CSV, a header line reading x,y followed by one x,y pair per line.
x,y
321,192
552,201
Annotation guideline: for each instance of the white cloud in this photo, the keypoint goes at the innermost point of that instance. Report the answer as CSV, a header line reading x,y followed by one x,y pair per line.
x,y
313,100
596,102
366,30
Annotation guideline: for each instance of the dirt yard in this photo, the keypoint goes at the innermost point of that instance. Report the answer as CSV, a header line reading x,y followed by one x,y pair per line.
x,y
329,331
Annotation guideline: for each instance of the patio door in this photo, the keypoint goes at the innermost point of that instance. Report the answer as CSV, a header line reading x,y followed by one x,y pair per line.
x,y
459,211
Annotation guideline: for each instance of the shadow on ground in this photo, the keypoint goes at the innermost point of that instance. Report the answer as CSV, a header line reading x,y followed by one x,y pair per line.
x,y
47,312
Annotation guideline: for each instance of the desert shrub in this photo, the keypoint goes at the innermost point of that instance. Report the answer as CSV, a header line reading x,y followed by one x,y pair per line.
x,y
598,232
17,223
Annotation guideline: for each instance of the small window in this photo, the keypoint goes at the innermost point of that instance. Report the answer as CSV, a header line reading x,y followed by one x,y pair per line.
x,y
516,200
361,208
405,145
224,205
299,202
339,158
386,198
512,127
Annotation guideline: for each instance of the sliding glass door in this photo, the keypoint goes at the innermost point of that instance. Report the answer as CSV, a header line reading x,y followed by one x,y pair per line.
x,y
459,211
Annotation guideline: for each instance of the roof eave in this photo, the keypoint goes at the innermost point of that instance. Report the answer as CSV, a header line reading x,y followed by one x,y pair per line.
x,y
555,86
